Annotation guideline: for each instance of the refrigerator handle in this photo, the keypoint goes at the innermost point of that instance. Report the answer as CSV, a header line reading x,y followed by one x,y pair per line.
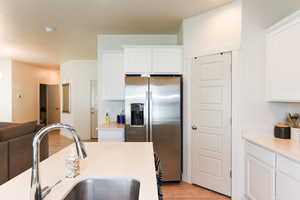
x,y
150,116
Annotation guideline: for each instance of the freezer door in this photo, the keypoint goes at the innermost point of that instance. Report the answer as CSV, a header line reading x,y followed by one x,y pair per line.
x,y
165,124
136,109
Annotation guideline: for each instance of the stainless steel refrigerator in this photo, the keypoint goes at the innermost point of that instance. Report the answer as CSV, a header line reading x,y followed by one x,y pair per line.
x,y
153,108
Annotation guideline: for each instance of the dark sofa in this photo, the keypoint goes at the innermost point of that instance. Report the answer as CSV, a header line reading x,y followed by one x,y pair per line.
x,y
16,148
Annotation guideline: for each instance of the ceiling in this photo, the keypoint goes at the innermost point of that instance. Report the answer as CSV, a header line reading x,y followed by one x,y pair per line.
x,y
77,22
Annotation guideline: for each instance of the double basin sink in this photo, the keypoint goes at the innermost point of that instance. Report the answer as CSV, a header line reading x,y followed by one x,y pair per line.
x,y
105,189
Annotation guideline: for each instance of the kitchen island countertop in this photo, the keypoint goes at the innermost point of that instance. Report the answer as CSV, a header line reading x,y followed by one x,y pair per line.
x,y
103,160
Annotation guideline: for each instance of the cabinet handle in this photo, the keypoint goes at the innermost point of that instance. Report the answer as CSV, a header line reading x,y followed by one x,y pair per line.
x,y
194,127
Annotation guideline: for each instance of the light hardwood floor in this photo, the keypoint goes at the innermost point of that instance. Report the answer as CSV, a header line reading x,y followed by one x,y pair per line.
x,y
181,191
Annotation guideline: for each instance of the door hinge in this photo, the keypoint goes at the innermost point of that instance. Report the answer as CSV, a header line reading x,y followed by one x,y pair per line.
x,y
230,174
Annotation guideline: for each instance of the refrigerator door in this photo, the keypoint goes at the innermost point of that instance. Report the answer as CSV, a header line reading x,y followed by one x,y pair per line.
x,y
136,109
166,124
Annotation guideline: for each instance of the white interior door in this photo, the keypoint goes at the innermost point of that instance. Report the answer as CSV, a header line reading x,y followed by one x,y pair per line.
x,y
53,104
211,122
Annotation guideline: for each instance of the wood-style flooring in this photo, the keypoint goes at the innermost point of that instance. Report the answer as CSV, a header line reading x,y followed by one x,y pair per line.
x,y
181,191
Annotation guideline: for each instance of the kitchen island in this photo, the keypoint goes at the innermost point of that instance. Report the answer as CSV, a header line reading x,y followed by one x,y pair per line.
x,y
133,160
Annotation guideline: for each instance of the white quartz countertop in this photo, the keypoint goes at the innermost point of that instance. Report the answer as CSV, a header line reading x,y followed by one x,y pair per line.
x,y
285,147
104,160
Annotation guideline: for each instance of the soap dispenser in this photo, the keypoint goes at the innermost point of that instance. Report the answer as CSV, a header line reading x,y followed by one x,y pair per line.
x,y
107,118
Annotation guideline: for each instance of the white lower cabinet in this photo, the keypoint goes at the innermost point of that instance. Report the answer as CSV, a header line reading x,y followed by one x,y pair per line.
x,y
270,176
111,135
287,188
260,180
287,179
260,174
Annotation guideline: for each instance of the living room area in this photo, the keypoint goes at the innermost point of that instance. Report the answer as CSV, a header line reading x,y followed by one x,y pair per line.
x,y
28,97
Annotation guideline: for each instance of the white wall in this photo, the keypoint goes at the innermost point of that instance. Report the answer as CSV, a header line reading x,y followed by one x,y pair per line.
x,y
225,27
5,91
79,74
214,31
26,79
115,42
257,117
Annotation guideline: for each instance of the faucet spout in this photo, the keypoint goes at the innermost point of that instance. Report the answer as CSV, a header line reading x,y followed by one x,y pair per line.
x,y
36,192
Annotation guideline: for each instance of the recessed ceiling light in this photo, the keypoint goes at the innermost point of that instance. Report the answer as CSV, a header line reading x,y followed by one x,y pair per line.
x,y
49,29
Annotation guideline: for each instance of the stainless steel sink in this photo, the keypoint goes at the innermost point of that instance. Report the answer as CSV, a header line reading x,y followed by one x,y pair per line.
x,y
105,189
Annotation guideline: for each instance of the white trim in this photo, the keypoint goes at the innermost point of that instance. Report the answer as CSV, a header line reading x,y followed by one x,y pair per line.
x,y
207,52
285,21
237,142
187,163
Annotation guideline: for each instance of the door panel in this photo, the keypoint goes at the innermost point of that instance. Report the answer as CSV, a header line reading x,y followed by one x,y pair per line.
x,y
136,102
211,114
53,104
165,124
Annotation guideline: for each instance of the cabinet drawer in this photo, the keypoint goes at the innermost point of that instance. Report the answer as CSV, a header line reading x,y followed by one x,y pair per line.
x,y
289,167
264,155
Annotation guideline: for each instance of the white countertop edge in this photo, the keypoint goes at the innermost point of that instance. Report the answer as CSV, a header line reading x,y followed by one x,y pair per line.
x,y
254,139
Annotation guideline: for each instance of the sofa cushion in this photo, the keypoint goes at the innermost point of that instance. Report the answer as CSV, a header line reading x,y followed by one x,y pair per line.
x,y
18,130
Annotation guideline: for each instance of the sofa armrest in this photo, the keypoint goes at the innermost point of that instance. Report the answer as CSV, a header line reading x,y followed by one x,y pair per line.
x,y
3,162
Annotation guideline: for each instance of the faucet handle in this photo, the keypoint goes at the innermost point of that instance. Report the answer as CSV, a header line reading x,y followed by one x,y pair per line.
x,y
46,190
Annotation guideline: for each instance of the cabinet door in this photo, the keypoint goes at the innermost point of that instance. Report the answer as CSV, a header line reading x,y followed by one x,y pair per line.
x,y
167,60
283,63
260,179
111,135
287,188
137,60
113,75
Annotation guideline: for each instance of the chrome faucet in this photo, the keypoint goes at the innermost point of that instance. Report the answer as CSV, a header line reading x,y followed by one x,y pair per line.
x,y
36,193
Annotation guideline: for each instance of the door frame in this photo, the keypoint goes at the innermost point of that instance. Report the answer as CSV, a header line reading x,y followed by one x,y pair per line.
x,y
38,97
237,161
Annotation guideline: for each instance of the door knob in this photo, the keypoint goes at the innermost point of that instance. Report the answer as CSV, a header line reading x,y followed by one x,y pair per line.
x,y
194,127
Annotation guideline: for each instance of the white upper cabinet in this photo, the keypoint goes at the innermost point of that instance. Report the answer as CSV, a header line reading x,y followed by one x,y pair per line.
x,y
153,60
137,60
283,60
113,82
167,60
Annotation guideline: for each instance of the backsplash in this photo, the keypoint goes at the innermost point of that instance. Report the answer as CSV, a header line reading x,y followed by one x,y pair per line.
x,y
113,108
